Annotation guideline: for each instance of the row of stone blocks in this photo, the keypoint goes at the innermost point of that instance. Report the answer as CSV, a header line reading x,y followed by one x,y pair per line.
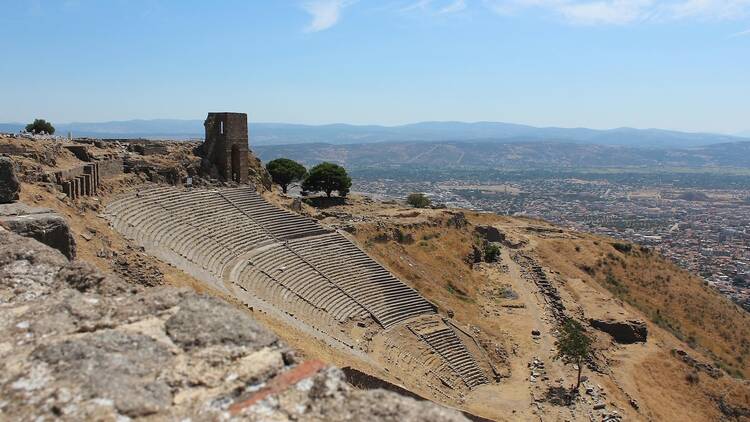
x,y
446,343
77,185
212,227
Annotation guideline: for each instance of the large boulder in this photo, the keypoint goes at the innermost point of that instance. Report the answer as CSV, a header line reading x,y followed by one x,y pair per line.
x,y
624,332
41,224
197,324
9,186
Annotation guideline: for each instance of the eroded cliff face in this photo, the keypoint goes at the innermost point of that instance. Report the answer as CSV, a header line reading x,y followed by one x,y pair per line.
x,y
82,345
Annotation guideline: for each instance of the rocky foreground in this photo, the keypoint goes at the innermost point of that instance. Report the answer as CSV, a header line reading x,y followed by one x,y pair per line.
x,y
79,345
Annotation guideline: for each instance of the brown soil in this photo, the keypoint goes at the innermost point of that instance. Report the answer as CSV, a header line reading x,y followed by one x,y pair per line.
x,y
501,306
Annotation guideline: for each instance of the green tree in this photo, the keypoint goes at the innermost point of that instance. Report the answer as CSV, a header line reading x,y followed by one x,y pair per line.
x,y
285,171
327,177
39,126
573,346
418,200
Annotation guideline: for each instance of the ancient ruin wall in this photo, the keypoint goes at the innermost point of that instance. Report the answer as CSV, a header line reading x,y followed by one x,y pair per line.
x,y
226,145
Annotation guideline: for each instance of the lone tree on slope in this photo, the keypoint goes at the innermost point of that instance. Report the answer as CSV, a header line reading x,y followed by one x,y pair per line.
x,y
573,346
327,177
285,171
40,126
418,200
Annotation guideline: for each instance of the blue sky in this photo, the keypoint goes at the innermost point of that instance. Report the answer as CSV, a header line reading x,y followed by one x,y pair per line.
x,y
674,64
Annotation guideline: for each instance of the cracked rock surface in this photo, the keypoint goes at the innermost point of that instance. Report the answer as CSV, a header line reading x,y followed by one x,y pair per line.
x,y
81,345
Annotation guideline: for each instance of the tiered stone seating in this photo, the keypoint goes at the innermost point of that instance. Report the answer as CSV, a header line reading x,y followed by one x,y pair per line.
x,y
198,225
270,292
388,299
281,224
212,227
425,361
281,266
309,272
446,343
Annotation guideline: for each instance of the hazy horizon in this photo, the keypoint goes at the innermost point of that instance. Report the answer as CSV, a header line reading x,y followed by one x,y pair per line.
x,y
334,123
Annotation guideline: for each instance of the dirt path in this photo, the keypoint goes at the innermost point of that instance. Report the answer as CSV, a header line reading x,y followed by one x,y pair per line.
x,y
515,393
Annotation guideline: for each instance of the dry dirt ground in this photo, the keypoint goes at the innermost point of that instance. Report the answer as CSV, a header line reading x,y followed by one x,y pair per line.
x,y
642,381
499,303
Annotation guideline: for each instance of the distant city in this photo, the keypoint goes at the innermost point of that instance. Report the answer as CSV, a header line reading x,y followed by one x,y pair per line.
x,y
703,230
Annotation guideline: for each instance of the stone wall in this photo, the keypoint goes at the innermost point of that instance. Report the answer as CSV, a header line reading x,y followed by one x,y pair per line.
x,y
85,180
13,149
80,151
151,148
110,168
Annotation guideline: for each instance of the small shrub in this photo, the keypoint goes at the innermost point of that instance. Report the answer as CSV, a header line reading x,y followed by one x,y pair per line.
x,y
615,285
456,291
587,269
379,238
491,253
401,237
418,200
622,247
430,236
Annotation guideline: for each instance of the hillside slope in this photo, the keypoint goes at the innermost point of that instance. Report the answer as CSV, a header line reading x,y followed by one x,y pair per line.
x,y
672,376
682,315
665,294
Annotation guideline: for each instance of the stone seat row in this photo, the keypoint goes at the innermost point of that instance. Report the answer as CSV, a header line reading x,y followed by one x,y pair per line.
x,y
281,224
281,266
199,225
388,299
182,239
425,359
212,227
448,345
293,306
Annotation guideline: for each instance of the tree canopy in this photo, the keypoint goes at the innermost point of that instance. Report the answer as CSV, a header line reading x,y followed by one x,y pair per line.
x,y
418,200
573,345
285,171
327,177
40,126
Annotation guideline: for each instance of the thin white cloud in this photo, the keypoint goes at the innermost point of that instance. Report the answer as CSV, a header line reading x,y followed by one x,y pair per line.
x,y
628,11
324,13
437,6
606,12
421,5
740,34
709,9
455,6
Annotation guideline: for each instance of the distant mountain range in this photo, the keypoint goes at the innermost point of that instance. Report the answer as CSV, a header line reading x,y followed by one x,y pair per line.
x,y
284,133
515,154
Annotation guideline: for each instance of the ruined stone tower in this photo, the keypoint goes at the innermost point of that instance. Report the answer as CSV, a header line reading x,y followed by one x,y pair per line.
x,y
226,144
